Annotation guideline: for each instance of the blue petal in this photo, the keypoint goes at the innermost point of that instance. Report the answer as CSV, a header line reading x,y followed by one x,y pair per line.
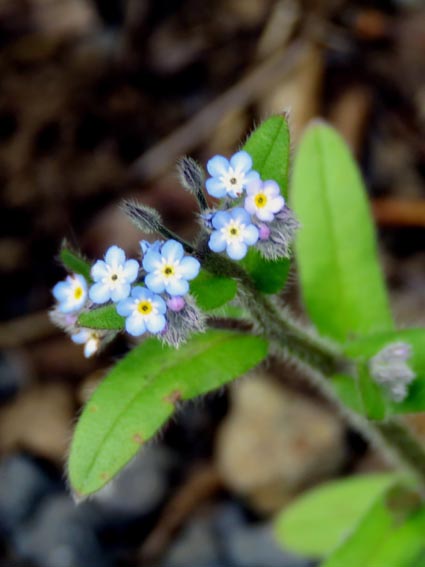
x,y
217,242
135,325
120,292
252,176
69,306
155,283
152,260
131,270
159,303
241,162
251,235
115,256
61,291
99,293
125,307
155,323
172,251
218,165
215,187
220,219
80,338
99,270
241,215
189,268
237,250
139,292
177,287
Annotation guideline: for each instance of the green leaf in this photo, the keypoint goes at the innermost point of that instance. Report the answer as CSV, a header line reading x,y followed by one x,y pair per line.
x,y
212,291
141,393
317,522
384,538
75,263
105,317
269,147
341,281
365,348
269,276
347,390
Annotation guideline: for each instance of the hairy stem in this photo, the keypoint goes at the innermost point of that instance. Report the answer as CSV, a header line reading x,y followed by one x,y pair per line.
x,y
320,360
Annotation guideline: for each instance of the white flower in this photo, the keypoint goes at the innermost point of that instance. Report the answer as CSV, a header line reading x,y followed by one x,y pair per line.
x,y
230,177
89,338
263,199
113,276
144,311
71,294
169,269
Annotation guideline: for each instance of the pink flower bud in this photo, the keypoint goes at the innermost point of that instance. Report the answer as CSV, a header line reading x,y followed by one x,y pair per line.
x,y
264,231
176,303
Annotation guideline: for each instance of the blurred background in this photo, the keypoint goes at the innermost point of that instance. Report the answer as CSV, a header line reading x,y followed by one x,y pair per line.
x,y
98,99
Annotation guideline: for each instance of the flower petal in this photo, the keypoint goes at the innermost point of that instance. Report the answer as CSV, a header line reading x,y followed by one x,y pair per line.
x,y
215,187
241,215
172,251
155,323
81,337
217,242
271,188
250,206
254,186
99,270
131,270
99,293
155,283
152,260
276,204
139,292
218,165
237,250
115,256
189,268
135,325
177,287
61,291
264,214
241,162
91,347
220,219
251,234
251,177
159,303
120,292
125,307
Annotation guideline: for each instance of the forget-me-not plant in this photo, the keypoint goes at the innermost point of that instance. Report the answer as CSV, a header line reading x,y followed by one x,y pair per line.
x,y
144,311
169,269
263,199
233,232
229,178
113,276
71,294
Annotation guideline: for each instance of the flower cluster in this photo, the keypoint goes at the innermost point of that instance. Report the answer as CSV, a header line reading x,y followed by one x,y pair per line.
x,y
152,295
264,220
390,369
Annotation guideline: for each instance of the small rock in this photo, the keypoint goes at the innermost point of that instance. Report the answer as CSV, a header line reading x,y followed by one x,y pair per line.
x,y
23,484
60,535
140,488
196,546
275,442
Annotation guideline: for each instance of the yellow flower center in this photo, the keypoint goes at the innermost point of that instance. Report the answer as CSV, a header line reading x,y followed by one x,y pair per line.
x,y
168,270
260,200
78,292
144,307
233,231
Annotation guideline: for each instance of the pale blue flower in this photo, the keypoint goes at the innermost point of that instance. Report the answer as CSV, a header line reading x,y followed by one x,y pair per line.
x,y
234,232
144,311
113,276
89,338
169,269
263,199
71,294
229,178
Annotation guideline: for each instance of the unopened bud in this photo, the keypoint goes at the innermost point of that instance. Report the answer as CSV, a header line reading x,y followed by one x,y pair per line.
x,y
389,369
192,178
145,218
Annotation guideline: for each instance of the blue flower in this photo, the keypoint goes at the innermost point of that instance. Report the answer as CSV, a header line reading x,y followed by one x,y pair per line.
x,y
144,311
71,294
233,232
169,269
89,338
230,177
264,200
113,276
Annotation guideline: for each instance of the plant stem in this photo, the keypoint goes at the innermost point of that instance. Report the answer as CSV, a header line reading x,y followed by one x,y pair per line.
x,y
321,360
